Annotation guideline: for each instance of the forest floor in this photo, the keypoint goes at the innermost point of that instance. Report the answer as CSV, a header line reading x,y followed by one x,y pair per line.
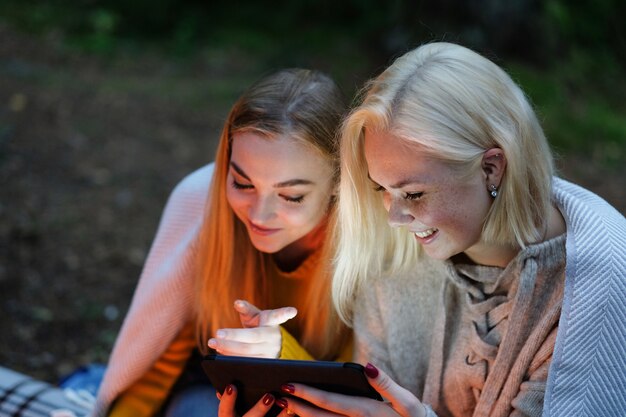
x,y
90,148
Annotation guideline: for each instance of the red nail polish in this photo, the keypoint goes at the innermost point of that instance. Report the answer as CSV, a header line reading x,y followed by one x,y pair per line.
x,y
268,399
229,389
371,371
288,388
282,403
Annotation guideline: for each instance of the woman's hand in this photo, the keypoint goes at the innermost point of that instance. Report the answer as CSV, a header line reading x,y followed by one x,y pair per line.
x,y
260,336
251,316
400,402
227,405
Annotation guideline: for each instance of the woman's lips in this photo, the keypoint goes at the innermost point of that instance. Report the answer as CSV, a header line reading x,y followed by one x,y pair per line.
x,y
263,231
426,236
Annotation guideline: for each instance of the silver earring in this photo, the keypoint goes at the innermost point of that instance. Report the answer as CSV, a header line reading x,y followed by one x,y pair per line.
x,y
493,190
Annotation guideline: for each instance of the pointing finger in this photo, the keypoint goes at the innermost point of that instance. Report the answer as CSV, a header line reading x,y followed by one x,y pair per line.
x,y
277,317
248,313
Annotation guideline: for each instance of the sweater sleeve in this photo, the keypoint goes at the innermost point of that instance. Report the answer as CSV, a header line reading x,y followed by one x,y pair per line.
x,y
370,331
146,396
162,301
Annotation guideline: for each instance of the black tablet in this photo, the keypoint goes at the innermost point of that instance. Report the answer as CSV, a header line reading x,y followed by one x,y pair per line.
x,y
255,377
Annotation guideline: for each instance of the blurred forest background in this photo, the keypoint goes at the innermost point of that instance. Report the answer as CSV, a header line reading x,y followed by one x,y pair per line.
x,y
106,104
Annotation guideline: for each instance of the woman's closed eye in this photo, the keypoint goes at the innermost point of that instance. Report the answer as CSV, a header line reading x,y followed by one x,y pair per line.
x,y
407,196
288,198
292,199
413,196
240,186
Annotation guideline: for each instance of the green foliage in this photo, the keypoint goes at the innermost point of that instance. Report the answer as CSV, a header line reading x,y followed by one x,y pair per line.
x,y
525,28
573,54
577,117
593,26
100,37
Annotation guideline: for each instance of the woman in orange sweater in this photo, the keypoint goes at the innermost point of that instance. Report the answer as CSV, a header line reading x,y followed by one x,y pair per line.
x,y
248,229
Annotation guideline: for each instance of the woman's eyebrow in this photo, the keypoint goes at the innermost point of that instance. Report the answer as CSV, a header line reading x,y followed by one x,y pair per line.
x,y
288,183
239,171
291,183
401,184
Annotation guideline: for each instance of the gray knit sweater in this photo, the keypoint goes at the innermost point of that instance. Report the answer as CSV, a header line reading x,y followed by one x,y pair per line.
x,y
396,318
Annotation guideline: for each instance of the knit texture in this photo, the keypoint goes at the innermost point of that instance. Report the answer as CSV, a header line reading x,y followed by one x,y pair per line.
x,y
498,325
395,319
163,300
588,372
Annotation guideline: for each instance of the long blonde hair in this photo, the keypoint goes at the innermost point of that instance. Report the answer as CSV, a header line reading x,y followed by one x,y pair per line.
x,y
455,104
305,106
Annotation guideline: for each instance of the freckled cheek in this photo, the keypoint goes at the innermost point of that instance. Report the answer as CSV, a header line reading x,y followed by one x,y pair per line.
x,y
310,212
463,222
238,202
430,211
300,216
457,220
441,213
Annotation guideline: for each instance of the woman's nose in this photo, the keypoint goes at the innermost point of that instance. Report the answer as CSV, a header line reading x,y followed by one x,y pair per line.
x,y
398,212
261,210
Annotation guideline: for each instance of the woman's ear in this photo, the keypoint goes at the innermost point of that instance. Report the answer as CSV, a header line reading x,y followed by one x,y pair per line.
x,y
493,166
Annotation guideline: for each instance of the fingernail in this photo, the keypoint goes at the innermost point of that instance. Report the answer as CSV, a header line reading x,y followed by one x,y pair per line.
x,y
212,343
268,399
282,403
371,371
229,389
288,388
220,334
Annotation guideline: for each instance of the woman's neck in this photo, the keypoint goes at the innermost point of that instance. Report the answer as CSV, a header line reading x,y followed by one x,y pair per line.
x,y
556,224
499,255
492,255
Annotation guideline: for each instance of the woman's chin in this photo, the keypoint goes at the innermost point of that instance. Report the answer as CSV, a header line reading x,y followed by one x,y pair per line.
x,y
266,247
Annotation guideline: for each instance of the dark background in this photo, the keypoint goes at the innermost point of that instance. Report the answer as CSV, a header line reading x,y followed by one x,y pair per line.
x,y
106,105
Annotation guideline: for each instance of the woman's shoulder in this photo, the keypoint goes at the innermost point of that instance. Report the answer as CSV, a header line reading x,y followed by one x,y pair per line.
x,y
578,200
196,184
192,191
590,328
185,205
587,214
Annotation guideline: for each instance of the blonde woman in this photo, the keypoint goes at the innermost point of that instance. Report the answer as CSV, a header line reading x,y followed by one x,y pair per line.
x,y
239,240
499,289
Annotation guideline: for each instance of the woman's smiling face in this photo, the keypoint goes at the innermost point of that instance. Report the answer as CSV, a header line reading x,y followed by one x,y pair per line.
x,y
280,189
444,210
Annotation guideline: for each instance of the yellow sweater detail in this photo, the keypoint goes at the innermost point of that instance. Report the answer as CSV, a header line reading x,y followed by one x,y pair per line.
x,y
146,396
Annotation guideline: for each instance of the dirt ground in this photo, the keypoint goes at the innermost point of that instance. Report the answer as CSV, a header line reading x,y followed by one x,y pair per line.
x,y
89,150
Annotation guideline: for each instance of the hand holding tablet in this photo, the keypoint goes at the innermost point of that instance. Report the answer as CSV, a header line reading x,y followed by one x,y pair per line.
x,y
255,377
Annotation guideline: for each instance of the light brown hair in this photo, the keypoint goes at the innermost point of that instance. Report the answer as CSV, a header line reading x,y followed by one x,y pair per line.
x,y
302,105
